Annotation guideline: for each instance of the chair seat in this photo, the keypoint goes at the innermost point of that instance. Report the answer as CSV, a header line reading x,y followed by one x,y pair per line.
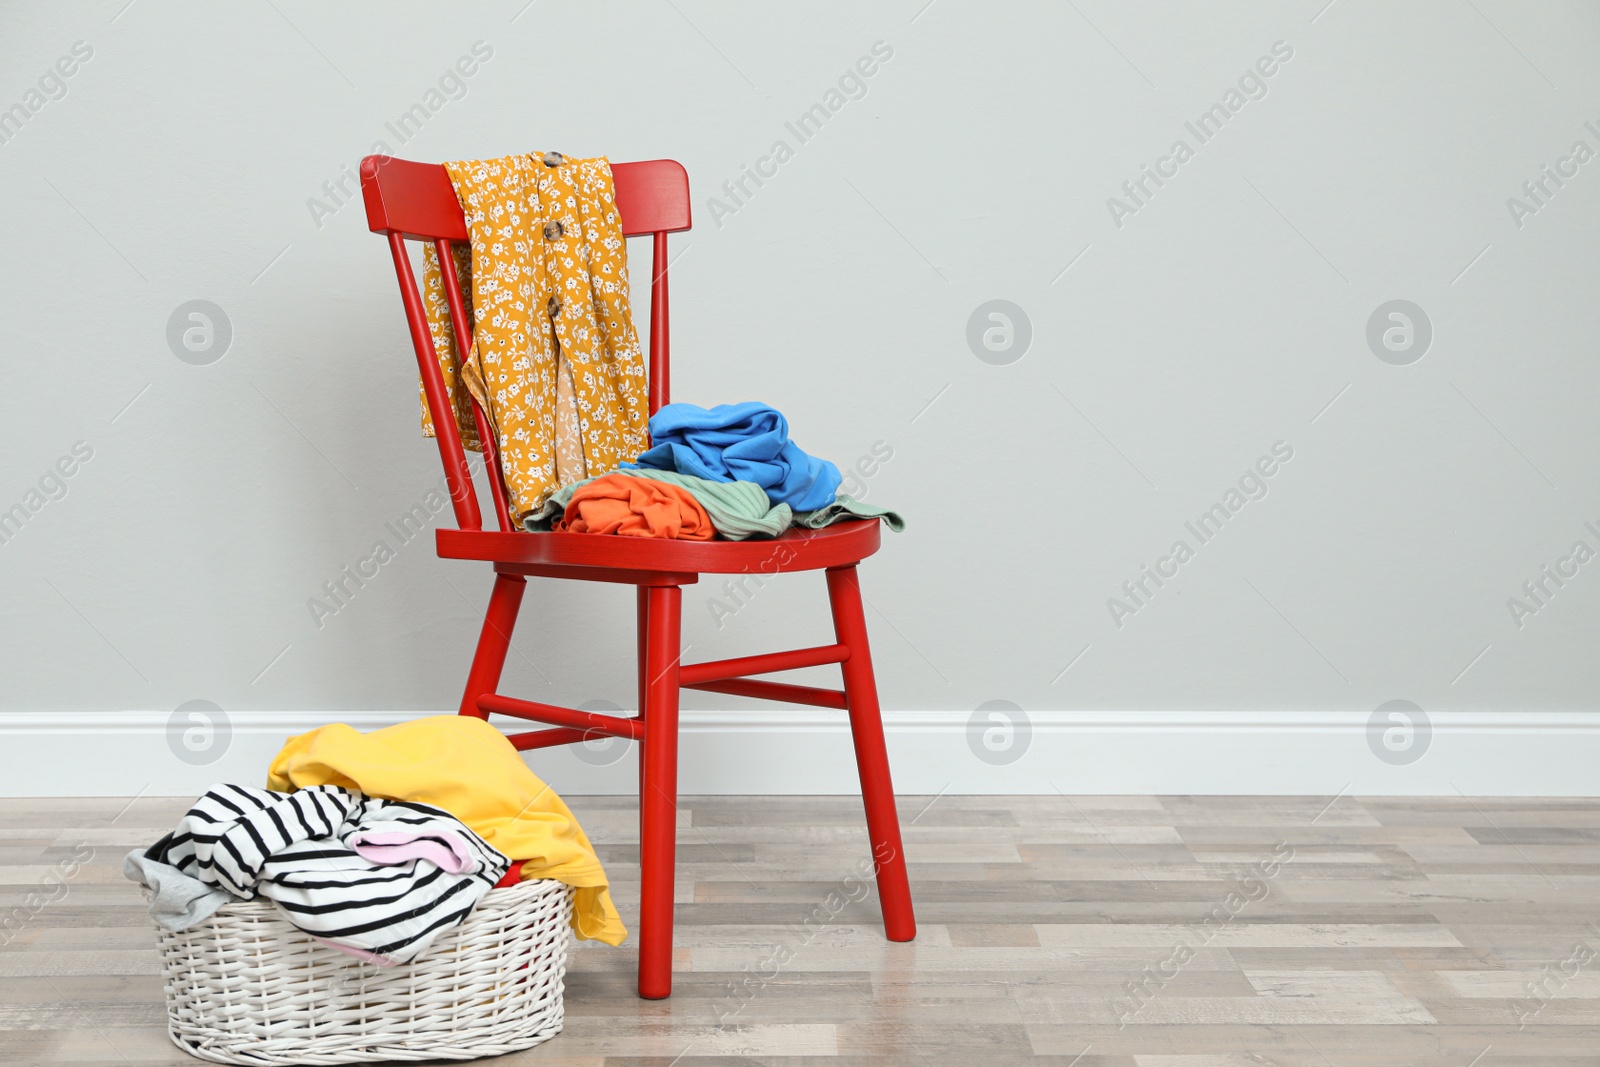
x,y
651,560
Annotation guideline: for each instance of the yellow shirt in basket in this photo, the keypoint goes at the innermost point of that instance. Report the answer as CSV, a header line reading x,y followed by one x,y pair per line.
x,y
465,766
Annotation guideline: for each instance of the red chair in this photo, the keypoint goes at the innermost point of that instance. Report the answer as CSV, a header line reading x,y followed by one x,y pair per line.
x,y
415,201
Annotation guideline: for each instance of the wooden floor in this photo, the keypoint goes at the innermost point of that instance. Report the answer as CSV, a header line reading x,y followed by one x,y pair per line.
x,y
1090,931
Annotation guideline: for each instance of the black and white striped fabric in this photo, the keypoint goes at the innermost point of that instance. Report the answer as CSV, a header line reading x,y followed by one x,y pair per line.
x,y
295,849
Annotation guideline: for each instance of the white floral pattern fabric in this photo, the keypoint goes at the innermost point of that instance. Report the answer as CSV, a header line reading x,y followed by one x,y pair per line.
x,y
555,360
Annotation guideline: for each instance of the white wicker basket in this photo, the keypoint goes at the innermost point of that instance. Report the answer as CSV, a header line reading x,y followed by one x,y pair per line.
x,y
245,986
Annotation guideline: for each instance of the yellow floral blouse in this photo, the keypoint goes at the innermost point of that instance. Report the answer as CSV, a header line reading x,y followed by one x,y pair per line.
x,y
555,361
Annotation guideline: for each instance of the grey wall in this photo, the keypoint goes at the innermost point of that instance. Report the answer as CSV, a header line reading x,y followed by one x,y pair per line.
x,y
1174,342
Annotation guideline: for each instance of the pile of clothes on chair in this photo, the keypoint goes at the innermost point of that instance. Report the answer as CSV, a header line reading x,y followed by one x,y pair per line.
x,y
730,471
375,844
553,363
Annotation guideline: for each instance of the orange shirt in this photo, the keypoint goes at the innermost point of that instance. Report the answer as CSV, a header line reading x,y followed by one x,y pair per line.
x,y
636,507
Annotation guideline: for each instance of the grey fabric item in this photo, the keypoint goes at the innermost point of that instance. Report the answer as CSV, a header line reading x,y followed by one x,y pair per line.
x,y
177,901
739,510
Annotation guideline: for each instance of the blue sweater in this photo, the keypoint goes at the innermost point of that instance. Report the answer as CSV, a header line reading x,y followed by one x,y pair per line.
x,y
746,442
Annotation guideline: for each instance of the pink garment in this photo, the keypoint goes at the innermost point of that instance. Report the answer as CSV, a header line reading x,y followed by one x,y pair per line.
x,y
359,953
389,847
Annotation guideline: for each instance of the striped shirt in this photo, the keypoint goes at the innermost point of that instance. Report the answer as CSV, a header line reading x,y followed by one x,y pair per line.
x,y
380,879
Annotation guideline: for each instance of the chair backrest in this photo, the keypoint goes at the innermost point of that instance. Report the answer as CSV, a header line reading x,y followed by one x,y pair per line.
x,y
415,201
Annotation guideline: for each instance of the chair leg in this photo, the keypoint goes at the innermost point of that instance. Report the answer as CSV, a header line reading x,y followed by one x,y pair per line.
x,y
494,641
641,617
872,756
658,803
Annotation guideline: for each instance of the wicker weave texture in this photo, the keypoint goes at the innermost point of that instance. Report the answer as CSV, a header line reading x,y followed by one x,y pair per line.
x,y
246,986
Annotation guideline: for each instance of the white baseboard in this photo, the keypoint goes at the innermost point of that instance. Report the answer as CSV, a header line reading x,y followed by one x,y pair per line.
x,y
804,751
